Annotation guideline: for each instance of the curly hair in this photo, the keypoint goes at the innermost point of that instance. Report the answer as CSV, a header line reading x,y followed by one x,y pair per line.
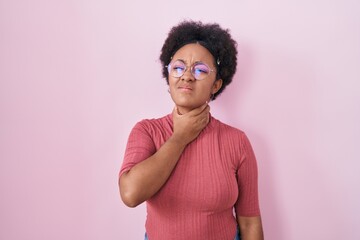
x,y
216,40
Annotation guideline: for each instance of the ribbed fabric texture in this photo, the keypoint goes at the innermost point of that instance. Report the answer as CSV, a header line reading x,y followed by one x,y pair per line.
x,y
215,174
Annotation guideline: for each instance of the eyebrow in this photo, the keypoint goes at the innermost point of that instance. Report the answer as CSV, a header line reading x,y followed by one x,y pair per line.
x,y
182,60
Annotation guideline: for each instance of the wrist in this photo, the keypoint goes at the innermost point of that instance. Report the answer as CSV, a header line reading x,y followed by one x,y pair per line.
x,y
178,141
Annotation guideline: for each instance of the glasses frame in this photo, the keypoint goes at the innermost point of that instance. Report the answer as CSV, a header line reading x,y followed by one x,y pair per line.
x,y
168,67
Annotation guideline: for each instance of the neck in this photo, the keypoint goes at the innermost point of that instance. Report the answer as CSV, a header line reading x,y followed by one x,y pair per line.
x,y
183,110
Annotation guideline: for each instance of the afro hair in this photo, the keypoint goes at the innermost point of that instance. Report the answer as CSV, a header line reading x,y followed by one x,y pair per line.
x,y
215,39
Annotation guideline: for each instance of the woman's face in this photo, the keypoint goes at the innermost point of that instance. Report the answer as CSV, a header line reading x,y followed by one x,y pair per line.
x,y
187,92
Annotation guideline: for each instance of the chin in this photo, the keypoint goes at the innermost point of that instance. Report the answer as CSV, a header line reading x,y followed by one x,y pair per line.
x,y
185,102
188,105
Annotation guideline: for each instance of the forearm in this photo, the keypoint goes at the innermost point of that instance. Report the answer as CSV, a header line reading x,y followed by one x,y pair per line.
x,y
251,228
148,176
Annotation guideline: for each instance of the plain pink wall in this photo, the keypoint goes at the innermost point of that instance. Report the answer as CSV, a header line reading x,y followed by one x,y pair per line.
x,y
71,90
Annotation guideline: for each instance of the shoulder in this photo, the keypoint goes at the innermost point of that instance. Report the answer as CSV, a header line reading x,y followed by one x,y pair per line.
x,y
154,125
229,134
153,122
225,129
235,140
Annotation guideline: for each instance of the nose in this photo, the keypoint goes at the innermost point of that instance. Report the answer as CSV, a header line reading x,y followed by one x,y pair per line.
x,y
187,76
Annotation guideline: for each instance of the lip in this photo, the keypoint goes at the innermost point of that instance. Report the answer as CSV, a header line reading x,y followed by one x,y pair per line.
x,y
185,88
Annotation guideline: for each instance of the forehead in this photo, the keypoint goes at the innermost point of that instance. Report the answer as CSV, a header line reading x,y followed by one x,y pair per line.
x,y
193,52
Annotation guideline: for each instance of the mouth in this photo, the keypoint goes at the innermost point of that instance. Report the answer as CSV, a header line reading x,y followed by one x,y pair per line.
x,y
185,88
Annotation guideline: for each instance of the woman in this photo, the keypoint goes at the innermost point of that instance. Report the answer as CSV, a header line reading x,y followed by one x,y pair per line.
x,y
197,175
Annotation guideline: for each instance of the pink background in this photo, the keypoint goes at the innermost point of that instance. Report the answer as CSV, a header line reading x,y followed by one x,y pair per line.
x,y
75,76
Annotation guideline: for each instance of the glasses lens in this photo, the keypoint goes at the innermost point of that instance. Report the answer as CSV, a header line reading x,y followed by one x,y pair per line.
x,y
176,69
200,71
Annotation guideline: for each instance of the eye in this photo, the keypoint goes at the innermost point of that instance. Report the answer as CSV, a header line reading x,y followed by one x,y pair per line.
x,y
201,69
178,67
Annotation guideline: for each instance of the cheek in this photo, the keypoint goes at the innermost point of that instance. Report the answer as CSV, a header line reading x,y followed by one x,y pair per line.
x,y
207,88
172,82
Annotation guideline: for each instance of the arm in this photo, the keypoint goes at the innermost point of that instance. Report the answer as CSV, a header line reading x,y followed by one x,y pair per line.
x,y
250,228
146,178
247,207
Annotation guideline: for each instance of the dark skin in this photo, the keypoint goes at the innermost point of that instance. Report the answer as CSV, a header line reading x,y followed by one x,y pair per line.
x,y
190,117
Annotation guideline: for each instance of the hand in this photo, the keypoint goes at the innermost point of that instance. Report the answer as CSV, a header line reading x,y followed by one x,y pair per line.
x,y
188,126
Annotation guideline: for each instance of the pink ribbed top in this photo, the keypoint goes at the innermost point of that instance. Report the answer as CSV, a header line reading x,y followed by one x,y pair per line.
x,y
215,174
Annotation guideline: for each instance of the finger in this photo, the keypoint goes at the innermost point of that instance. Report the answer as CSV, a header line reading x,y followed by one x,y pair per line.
x,y
205,111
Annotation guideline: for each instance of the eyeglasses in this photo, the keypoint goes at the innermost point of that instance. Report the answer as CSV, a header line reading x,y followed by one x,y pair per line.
x,y
199,70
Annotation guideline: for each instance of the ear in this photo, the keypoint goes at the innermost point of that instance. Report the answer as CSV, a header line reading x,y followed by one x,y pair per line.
x,y
217,85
